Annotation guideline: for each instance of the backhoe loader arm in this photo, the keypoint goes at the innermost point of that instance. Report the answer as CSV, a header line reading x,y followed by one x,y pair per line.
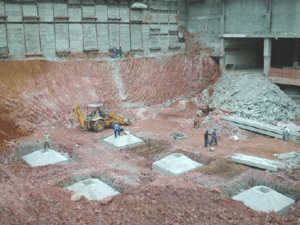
x,y
79,114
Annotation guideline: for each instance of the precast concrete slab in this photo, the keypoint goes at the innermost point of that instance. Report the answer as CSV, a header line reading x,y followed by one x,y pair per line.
x,y
92,189
264,199
125,140
175,164
257,162
43,158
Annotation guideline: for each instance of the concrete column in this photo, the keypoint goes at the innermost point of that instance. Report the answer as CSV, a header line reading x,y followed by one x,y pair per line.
x,y
267,56
296,53
222,53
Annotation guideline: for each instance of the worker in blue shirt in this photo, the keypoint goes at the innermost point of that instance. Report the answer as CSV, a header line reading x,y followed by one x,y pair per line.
x,y
117,130
214,137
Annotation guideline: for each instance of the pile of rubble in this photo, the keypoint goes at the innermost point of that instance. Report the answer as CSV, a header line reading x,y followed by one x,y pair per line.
x,y
252,96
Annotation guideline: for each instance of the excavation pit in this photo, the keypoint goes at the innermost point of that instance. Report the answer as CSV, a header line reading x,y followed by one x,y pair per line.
x,y
175,164
92,189
264,199
43,158
123,141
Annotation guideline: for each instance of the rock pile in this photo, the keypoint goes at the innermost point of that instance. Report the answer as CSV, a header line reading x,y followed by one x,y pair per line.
x,y
252,96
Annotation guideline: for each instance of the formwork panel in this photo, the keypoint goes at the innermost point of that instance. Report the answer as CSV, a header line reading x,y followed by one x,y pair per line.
x,y
32,38
62,37
154,17
136,36
101,13
164,42
45,12
163,18
154,41
146,37
14,12
113,12
135,15
2,8
89,36
30,10
102,36
74,12
125,37
173,18
88,11
47,40
3,39
76,42
16,41
124,14
60,9
114,35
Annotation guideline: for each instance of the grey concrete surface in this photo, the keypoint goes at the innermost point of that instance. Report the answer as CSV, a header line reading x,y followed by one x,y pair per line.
x,y
175,164
264,199
261,163
43,158
92,189
125,140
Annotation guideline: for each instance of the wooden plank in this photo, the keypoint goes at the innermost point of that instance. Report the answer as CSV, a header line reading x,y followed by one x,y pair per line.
x,y
3,39
62,37
45,12
14,12
16,41
89,38
288,73
102,36
32,38
76,35
47,40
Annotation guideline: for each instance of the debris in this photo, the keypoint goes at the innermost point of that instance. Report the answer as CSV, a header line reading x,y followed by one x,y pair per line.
x,y
235,137
212,149
286,155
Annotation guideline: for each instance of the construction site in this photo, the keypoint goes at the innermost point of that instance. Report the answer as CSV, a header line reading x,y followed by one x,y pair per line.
x,y
150,112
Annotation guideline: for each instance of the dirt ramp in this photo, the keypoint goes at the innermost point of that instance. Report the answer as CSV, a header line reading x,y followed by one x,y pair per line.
x,y
155,80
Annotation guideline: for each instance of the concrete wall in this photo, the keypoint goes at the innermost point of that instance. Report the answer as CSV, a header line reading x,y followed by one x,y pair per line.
x,y
48,28
217,21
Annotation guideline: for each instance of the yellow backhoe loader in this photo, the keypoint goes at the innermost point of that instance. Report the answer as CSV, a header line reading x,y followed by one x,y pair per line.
x,y
97,117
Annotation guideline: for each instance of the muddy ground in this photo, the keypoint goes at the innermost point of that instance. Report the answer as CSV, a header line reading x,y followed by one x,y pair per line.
x,y
37,195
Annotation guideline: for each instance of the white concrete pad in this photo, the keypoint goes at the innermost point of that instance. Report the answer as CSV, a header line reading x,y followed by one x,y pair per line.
x,y
257,162
261,198
92,189
43,158
175,164
287,155
123,140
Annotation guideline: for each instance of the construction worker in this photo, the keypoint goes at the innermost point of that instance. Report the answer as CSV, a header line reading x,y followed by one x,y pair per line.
x,y
286,133
47,138
206,138
117,130
214,137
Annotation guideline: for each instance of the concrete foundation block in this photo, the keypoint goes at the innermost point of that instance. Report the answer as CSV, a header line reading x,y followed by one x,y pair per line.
x,y
175,164
261,163
92,189
264,199
43,158
123,141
